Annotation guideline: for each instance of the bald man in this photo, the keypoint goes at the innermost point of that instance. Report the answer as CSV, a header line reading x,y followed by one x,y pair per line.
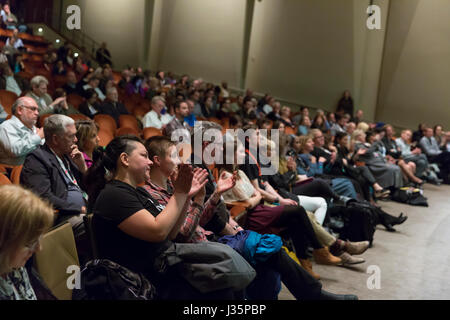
x,y
19,135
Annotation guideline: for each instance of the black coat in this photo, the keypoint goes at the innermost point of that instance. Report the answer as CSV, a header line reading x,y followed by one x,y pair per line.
x,y
112,110
84,109
42,174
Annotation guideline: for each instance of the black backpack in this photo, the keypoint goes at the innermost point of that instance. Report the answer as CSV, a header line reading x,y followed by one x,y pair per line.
x,y
107,280
359,221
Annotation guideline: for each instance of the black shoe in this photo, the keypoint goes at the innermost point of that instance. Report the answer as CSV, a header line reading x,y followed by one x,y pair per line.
x,y
325,295
389,227
400,219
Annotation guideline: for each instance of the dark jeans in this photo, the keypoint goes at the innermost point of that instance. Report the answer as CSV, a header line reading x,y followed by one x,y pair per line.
x,y
364,177
299,282
443,160
316,188
296,222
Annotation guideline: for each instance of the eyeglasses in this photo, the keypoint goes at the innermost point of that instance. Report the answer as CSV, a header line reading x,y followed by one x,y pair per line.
x,y
31,108
33,246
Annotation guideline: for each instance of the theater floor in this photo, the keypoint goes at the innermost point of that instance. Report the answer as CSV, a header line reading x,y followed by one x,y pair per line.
x,y
414,262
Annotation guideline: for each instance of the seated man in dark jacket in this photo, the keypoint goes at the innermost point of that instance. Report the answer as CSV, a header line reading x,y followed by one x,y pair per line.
x,y
111,106
54,172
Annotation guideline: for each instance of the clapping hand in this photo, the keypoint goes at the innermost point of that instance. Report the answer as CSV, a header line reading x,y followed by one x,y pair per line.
x,y
224,184
199,179
182,179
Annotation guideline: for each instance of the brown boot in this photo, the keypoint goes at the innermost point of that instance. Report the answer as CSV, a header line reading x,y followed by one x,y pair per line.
x,y
307,265
323,256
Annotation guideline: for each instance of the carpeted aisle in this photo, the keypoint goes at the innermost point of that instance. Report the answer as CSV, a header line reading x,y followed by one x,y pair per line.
x,y
414,262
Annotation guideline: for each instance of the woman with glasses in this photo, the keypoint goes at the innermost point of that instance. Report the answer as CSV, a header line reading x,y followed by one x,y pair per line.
x,y
24,218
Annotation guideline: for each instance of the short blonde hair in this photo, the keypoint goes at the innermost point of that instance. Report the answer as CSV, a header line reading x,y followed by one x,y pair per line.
x,y
303,140
363,126
23,218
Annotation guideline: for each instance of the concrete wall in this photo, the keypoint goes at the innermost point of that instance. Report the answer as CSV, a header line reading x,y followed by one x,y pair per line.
x,y
120,23
414,85
202,38
302,50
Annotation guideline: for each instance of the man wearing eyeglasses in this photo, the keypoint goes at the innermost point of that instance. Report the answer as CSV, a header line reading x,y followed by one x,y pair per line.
x,y
19,135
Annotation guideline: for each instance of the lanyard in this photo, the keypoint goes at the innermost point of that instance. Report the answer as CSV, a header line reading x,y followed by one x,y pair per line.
x,y
254,159
67,172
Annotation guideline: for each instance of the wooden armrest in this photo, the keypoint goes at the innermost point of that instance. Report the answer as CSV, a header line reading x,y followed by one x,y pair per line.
x,y
243,204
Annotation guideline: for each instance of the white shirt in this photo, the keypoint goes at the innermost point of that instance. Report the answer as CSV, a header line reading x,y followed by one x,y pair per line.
x,y
99,92
17,141
267,109
17,44
11,85
152,119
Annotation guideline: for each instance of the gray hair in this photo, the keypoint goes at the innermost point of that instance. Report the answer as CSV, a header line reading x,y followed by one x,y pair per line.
x,y
56,125
18,103
158,98
201,127
37,80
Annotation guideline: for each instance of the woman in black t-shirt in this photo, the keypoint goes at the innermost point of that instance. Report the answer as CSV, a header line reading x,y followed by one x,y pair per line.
x,y
130,228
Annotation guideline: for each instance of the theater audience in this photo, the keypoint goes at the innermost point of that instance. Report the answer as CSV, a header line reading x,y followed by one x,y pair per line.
x,y
16,42
387,175
133,230
72,85
90,107
358,117
163,153
39,94
181,112
24,219
438,135
10,20
19,135
320,122
417,135
93,83
190,119
305,126
54,172
87,139
12,82
63,107
111,106
341,123
155,118
238,104
431,148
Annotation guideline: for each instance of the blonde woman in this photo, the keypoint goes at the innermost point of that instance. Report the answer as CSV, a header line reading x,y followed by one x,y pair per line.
x,y
87,136
363,126
24,218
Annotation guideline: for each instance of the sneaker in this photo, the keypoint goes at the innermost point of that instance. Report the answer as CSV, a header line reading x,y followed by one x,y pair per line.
x,y
356,247
348,259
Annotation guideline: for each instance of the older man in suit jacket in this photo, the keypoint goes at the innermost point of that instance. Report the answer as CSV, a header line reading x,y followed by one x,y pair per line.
x,y
54,172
